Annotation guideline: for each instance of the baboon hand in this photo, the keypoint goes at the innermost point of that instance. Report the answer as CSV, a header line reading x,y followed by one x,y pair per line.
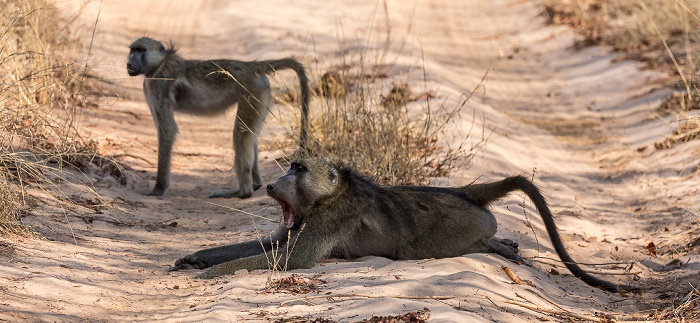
x,y
189,262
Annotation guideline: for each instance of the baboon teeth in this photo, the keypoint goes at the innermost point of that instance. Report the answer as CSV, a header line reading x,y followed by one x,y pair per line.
x,y
287,213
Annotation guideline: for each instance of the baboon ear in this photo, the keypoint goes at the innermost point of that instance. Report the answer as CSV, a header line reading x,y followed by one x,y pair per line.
x,y
333,176
162,48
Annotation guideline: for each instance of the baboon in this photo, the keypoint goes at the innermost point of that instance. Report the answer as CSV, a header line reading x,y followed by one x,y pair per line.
x,y
330,210
210,88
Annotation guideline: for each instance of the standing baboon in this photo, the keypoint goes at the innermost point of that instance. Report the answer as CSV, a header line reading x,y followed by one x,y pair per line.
x,y
209,88
347,216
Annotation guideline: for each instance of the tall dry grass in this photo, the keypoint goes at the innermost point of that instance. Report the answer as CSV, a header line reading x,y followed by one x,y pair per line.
x,y
41,93
372,120
663,33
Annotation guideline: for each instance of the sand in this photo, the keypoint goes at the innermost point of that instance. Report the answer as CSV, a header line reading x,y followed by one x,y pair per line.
x,y
581,123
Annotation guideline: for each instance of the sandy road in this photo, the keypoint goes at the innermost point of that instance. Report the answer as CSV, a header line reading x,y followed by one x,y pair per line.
x,y
575,121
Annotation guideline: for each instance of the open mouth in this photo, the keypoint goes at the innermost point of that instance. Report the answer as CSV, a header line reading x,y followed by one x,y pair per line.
x,y
287,212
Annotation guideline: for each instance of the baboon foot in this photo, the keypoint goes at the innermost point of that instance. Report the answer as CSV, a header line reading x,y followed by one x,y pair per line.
x,y
509,243
228,193
155,192
256,186
506,248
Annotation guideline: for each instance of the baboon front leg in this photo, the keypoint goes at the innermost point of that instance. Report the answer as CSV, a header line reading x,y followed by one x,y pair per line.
x,y
213,256
167,130
307,248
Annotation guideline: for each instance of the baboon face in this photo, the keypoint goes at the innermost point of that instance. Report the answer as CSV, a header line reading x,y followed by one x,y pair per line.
x,y
144,55
306,183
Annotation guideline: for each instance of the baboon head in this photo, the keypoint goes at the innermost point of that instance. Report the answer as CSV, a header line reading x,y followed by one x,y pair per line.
x,y
307,182
146,55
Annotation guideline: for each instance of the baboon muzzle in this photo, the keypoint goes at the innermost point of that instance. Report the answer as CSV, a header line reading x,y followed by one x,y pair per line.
x,y
287,210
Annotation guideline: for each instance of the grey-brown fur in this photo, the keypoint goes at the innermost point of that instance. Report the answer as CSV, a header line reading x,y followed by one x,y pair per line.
x,y
347,216
210,88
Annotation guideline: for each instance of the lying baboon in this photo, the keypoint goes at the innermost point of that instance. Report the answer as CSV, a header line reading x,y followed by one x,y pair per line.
x,y
345,215
210,88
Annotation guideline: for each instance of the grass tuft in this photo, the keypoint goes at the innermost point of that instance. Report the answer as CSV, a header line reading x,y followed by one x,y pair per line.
x,y
41,94
688,130
368,119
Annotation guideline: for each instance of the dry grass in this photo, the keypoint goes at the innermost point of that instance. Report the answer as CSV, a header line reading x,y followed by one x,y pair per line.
x,y
663,33
383,136
10,207
366,118
688,130
41,94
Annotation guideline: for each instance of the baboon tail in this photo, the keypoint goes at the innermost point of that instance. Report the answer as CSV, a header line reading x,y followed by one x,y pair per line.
x,y
483,194
271,66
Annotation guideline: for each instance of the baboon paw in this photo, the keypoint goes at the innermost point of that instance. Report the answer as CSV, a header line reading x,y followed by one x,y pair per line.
x,y
244,195
188,262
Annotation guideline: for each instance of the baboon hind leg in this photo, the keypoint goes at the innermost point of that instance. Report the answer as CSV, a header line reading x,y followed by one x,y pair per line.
x,y
257,180
244,164
252,110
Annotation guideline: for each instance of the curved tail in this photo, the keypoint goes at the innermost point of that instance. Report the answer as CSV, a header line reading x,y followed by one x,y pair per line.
x,y
483,194
271,66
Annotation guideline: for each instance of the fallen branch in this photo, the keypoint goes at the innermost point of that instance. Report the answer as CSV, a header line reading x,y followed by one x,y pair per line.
x,y
366,296
515,279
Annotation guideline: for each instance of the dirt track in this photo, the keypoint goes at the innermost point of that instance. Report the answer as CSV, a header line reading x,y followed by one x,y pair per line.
x,y
583,126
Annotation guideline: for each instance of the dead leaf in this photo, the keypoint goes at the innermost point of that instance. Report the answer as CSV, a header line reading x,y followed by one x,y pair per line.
x,y
652,248
296,284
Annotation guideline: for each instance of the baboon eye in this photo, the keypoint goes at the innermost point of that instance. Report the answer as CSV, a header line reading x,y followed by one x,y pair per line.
x,y
297,167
